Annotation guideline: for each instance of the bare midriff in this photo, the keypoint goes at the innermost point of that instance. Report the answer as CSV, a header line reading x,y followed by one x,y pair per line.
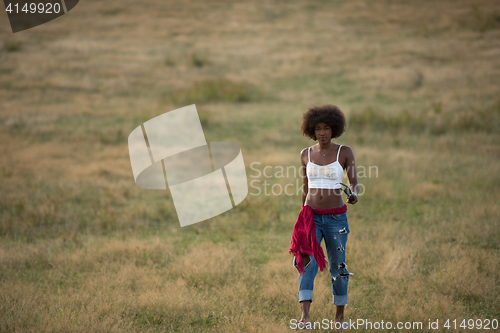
x,y
323,198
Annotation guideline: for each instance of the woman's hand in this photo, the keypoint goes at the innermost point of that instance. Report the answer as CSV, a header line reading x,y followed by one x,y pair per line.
x,y
306,259
354,199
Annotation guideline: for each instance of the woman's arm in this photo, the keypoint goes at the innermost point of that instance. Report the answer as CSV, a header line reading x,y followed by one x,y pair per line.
x,y
350,166
303,174
305,190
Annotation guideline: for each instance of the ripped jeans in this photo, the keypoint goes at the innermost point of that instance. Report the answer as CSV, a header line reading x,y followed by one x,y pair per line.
x,y
334,230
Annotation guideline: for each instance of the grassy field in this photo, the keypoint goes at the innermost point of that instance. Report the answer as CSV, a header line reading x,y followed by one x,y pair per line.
x,y
83,249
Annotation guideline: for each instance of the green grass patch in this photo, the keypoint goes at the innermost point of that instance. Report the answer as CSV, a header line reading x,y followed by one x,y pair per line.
x,y
12,46
433,121
215,91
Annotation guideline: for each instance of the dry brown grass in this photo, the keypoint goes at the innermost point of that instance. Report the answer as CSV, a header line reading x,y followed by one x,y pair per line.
x,y
84,249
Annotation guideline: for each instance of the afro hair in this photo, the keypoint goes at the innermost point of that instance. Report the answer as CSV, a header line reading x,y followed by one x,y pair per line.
x,y
328,114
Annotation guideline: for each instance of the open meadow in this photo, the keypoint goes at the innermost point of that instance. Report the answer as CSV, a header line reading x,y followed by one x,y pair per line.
x,y
83,249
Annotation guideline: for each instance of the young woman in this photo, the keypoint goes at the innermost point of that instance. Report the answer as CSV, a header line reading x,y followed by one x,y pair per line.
x,y
323,166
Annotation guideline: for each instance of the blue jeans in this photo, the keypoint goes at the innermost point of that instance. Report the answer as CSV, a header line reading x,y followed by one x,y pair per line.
x,y
334,230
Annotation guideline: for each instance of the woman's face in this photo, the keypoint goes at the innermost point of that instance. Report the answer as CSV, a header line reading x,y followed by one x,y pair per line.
x,y
323,132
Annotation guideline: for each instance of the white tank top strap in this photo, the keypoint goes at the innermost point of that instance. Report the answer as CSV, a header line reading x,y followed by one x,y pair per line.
x,y
338,153
309,154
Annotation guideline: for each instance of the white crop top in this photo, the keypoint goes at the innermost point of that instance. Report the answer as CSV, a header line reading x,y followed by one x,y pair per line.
x,y
324,176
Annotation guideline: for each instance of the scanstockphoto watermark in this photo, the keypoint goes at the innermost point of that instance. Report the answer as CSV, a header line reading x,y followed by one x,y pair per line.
x,y
266,179
430,325
329,324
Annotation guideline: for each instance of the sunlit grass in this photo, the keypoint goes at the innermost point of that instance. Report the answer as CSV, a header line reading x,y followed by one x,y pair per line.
x,y
84,249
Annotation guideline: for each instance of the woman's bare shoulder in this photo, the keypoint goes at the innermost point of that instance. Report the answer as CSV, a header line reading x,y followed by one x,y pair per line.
x,y
346,153
303,155
347,148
